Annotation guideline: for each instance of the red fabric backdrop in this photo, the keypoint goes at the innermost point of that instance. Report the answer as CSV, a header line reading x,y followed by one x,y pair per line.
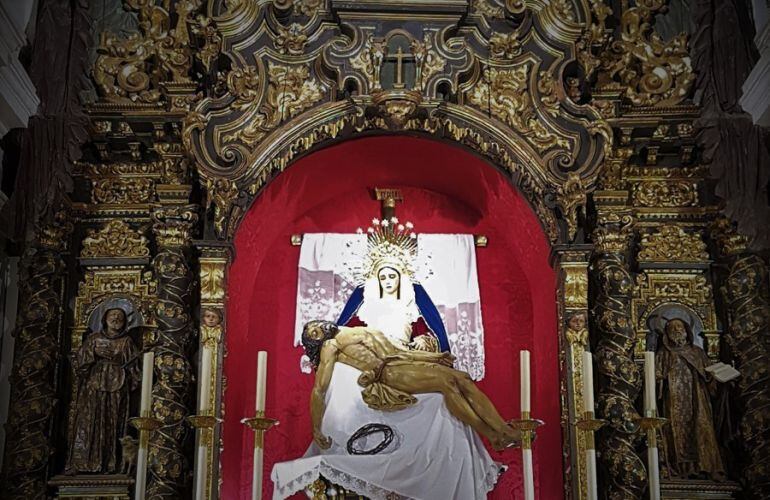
x,y
448,190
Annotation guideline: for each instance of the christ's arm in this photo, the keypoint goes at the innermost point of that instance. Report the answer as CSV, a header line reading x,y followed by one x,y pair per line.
x,y
323,377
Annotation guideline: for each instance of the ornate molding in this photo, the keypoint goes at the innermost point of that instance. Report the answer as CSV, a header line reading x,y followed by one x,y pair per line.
x,y
115,239
669,193
173,225
672,244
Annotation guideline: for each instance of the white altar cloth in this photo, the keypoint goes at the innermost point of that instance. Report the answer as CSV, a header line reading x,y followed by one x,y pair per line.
x,y
433,455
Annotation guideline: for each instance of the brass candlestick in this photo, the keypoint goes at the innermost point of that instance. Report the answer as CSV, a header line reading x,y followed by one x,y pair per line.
x,y
528,428
145,425
259,424
589,425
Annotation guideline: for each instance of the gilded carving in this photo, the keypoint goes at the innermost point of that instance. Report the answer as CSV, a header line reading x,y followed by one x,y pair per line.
x,y
428,62
546,85
575,287
670,193
506,94
55,234
122,190
212,280
672,244
173,225
651,71
115,239
290,90
572,197
368,60
128,70
577,333
488,8
505,45
291,39
729,241
205,28
222,194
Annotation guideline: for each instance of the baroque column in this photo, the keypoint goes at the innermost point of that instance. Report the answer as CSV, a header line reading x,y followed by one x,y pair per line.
x,y
36,356
170,445
618,375
746,293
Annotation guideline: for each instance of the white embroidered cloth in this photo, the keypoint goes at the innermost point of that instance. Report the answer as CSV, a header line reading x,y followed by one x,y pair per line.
x,y
446,265
433,456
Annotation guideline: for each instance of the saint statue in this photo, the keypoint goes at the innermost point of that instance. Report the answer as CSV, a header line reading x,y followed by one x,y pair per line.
x,y
391,377
107,369
685,388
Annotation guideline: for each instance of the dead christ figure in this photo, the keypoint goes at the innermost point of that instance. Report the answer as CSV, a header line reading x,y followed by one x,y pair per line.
x,y
391,376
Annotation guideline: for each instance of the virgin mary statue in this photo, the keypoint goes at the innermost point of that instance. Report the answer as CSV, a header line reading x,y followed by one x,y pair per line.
x,y
388,300
430,454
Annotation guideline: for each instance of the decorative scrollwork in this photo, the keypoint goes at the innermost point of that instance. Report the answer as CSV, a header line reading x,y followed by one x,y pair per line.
x,y
115,239
672,244
123,191
506,94
665,194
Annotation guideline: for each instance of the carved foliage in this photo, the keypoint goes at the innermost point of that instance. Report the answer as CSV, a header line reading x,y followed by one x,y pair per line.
x,y
507,95
123,190
672,244
115,239
665,194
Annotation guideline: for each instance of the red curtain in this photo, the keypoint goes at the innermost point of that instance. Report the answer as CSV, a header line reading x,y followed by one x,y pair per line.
x,y
446,190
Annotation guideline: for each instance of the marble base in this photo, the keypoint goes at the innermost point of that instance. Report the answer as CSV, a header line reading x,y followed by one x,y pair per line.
x,y
93,487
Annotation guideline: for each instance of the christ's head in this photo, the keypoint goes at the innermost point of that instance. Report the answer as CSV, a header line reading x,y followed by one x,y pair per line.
x,y
390,282
314,335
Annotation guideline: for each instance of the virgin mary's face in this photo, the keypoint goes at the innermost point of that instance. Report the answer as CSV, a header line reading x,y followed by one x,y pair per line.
x,y
389,280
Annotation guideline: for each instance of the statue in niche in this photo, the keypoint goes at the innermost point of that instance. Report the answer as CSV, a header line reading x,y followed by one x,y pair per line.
x,y
685,389
107,369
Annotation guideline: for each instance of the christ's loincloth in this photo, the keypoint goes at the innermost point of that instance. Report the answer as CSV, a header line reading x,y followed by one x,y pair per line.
x,y
379,396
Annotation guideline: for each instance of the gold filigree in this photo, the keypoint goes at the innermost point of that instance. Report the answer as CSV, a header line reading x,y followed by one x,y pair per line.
x,y
205,28
665,194
301,7
651,71
505,45
368,60
575,286
173,225
487,8
290,91
123,190
564,10
222,194
505,93
572,196
115,239
291,39
672,244
428,62
128,70
728,240
546,85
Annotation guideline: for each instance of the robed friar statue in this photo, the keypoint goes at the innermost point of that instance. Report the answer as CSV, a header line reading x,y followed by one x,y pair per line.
x,y
107,370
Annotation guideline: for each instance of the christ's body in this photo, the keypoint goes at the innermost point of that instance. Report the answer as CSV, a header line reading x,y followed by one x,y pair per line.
x,y
411,372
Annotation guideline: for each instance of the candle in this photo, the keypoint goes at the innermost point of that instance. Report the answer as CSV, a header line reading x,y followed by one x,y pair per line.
x,y
588,382
204,398
525,388
147,364
649,383
261,380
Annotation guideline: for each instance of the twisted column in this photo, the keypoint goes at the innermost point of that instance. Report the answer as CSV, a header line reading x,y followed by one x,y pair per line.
x,y
619,378
36,355
170,446
746,293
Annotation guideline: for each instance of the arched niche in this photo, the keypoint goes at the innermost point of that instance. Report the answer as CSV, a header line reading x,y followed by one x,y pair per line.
x,y
447,189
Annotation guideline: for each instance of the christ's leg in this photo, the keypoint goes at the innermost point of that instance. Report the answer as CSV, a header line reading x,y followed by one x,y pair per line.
x,y
487,411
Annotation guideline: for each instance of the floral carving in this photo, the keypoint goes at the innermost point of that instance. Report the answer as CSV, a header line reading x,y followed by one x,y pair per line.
x,y
291,39
136,190
505,45
115,239
665,194
505,93
290,90
672,244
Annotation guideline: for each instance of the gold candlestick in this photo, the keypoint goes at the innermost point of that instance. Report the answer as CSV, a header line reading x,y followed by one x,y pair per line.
x,y
651,424
259,424
528,428
589,425
145,425
204,424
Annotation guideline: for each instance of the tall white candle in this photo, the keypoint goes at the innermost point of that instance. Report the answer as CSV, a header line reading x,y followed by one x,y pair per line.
x,y
147,363
204,397
525,387
261,379
593,491
649,382
588,382
529,479
654,472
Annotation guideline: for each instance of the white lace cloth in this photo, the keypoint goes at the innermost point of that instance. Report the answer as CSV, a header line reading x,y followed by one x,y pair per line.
x,y
446,265
433,456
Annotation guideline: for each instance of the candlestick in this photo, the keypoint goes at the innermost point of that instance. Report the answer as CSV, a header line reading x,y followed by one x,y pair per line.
x,y
528,427
148,361
651,424
144,424
204,424
261,380
259,424
589,425
650,404
204,409
525,383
